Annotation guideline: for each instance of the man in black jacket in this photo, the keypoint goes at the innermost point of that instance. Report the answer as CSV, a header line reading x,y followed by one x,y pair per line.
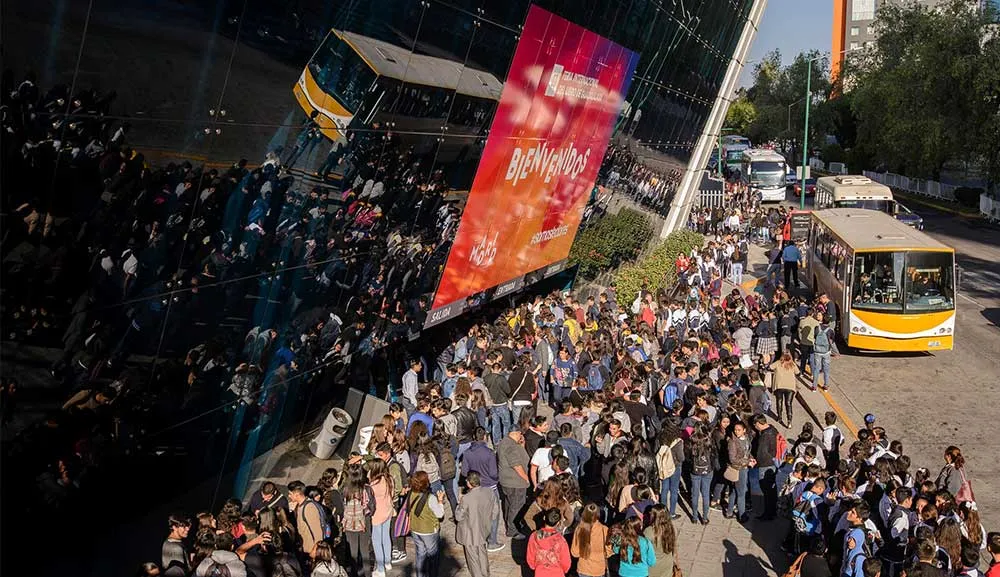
x,y
765,448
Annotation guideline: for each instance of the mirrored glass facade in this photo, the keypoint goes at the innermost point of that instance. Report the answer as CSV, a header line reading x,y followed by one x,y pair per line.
x,y
220,214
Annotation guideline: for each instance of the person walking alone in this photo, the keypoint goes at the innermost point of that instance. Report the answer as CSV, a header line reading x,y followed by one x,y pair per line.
x,y
474,517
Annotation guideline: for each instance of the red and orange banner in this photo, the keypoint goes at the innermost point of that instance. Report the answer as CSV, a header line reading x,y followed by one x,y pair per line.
x,y
558,108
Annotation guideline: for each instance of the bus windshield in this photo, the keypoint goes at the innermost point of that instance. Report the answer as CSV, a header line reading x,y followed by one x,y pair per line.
x,y
903,282
763,173
881,204
341,72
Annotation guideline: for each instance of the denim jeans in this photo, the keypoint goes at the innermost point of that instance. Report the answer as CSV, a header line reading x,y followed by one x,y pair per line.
x,y
560,394
499,423
700,488
670,489
821,362
494,538
740,501
382,544
426,562
737,277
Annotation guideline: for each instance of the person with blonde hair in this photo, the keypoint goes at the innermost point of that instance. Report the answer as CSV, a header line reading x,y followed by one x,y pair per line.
x,y
785,383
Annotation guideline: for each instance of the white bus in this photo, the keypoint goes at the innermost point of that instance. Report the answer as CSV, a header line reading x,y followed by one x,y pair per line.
x,y
852,191
764,172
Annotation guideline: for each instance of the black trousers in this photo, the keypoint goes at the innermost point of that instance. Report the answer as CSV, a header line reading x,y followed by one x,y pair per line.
x,y
784,398
791,273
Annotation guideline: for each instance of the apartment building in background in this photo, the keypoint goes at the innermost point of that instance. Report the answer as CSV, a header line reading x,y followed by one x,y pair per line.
x,y
854,26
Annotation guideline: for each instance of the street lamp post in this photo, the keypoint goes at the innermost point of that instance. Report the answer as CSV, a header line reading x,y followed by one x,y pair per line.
x,y
805,136
805,139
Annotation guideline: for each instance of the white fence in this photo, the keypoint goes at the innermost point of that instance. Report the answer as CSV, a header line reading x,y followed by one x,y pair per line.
x,y
989,207
930,188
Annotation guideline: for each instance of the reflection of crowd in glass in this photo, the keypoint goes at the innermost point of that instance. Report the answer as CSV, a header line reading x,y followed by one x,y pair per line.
x,y
244,285
649,188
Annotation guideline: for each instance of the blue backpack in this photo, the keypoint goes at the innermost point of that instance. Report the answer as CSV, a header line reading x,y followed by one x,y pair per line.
x,y
822,340
670,395
324,520
595,379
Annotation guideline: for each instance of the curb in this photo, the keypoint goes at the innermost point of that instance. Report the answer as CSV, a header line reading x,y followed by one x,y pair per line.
x,y
843,419
914,199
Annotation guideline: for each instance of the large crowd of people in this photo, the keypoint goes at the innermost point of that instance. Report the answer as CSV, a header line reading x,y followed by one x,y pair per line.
x,y
584,429
646,186
580,433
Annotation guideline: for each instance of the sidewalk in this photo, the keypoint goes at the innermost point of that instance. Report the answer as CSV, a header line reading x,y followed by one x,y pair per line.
x,y
723,548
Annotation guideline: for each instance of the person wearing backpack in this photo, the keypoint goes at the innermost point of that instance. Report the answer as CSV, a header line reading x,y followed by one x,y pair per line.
x,y
223,561
310,518
822,352
359,506
700,449
765,447
426,511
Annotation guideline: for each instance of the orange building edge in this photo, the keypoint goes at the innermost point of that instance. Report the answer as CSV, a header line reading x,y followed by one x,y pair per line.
x,y
838,46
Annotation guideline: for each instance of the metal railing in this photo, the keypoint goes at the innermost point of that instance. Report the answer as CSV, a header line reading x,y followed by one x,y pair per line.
x,y
929,188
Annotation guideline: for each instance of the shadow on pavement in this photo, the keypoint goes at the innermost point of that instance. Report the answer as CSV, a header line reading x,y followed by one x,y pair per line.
x,y
737,565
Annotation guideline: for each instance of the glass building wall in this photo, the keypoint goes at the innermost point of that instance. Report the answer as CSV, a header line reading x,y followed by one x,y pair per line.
x,y
155,252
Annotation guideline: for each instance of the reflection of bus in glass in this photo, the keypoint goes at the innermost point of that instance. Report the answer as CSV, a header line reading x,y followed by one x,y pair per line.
x,y
355,81
733,153
764,172
893,286
850,191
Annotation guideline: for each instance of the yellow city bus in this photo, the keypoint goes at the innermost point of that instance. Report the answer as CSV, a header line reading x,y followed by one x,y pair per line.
x,y
354,81
893,286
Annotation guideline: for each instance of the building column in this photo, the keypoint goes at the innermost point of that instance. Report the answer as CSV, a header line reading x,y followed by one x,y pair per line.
x,y
687,190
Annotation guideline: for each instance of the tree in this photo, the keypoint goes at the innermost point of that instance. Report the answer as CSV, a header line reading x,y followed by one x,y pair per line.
x,y
778,94
927,92
741,115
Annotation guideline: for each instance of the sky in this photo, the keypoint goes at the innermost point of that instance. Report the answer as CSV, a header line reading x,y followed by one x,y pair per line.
x,y
791,26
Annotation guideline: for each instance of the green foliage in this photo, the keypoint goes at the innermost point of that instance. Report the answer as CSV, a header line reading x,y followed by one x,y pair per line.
x,y
741,115
833,153
928,91
658,268
611,241
778,95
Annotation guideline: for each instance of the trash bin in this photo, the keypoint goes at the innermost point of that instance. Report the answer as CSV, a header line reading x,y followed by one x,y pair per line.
x,y
331,433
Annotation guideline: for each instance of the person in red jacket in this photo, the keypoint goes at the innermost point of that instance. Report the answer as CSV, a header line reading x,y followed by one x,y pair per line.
x,y
993,548
548,553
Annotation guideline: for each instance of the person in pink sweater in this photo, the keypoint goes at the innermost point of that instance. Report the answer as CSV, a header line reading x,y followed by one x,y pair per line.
x,y
548,553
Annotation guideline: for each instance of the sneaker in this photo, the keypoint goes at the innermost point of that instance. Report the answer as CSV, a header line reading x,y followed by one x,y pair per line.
x,y
744,517
675,516
704,521
378,573
716,505
519,537
388,567
398,556
495,547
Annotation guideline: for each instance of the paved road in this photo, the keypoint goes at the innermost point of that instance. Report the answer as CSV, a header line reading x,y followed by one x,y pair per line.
x,y
930,401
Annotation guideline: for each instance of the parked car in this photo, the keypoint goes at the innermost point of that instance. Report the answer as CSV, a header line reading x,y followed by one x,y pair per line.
x,y
790,178
909,217
810,187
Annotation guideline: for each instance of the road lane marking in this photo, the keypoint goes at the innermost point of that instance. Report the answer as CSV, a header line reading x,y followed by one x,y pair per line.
x,y
840,413
971,300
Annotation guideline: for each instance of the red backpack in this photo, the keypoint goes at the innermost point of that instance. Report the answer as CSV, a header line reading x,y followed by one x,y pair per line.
x,y
781,448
